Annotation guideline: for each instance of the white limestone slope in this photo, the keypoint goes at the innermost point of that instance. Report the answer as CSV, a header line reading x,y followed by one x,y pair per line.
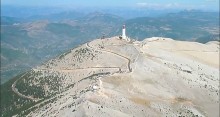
x,y
152,78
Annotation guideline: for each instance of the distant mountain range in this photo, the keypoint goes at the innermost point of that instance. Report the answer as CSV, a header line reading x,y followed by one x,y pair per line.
x,y
27,42
185,25
40,12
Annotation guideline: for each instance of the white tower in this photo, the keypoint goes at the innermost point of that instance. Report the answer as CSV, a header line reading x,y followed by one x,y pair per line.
x,y
123,32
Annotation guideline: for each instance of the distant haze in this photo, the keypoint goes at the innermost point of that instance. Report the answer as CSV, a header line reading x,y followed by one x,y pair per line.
x,y
152,4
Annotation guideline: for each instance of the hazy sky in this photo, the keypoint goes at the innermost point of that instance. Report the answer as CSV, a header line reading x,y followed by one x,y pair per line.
x,y
184,4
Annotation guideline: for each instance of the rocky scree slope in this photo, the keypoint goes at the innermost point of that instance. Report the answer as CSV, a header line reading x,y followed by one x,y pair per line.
x,y
112,77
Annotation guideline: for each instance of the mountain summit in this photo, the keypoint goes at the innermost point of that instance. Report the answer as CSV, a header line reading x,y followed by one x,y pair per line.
x,y
115,78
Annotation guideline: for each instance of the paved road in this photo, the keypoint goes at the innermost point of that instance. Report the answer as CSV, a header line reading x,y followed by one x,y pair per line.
x,y
107,51
76,69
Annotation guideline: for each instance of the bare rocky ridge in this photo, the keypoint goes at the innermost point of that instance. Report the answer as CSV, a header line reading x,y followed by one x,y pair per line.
x,y
115,78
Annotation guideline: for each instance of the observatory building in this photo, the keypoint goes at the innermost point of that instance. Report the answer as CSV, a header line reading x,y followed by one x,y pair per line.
x,y
123,32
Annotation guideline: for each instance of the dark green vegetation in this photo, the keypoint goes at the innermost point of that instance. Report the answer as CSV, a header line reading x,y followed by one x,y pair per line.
x,y
28,42
11,103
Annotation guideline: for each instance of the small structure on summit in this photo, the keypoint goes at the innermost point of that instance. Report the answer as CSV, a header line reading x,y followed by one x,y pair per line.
x,y
124,34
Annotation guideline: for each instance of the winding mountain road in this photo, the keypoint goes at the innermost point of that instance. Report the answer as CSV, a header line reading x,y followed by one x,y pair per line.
x,y
15,90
